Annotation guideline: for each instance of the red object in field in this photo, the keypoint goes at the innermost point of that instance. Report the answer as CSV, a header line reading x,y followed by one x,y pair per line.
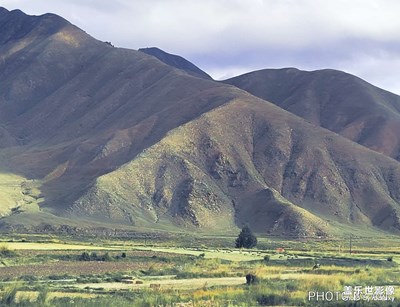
x,y
280,250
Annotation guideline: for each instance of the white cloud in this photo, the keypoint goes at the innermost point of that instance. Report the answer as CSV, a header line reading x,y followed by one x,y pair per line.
x,y
232,35
379,68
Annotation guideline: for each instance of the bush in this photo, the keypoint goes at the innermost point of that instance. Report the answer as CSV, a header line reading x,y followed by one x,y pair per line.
x,y
246,238
6,252
390,258
272,300
84,257
94,257
29,278
267,258
123,255
9,295
106,257
42,297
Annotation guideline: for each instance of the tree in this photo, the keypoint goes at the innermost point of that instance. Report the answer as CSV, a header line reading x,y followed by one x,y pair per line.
x,y
246,238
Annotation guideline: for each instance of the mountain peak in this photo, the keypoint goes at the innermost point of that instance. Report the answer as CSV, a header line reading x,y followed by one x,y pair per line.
x,y
3,12
16,25
17,11
175,61
333,99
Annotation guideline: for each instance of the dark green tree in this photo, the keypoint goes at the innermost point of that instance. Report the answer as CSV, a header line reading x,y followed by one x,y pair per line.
x,y
246,238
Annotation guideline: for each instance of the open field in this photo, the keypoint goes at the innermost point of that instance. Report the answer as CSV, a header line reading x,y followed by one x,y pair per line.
x,y
226,254
62,272
52,246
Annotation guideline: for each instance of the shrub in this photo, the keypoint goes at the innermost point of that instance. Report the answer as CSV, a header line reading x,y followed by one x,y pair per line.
x,y
29,278
42,297
84,257
107,257
94,257
390,258
6,252
267,258
8,296
123,255
272,300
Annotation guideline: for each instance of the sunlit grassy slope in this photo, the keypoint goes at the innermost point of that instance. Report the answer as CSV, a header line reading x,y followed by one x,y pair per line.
x,y
17,194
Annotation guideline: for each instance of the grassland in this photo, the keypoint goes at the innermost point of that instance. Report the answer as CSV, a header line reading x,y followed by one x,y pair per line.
x,y
202,271
18,194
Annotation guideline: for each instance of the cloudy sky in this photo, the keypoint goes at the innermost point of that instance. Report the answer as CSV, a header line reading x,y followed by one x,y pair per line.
x,y
231,37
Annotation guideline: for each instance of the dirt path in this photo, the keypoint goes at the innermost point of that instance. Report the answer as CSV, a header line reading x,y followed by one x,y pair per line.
x,y
232,255
192,283
75,268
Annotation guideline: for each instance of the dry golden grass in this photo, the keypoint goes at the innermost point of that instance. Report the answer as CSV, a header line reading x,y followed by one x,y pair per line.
x,y
53,246
213,293
33,295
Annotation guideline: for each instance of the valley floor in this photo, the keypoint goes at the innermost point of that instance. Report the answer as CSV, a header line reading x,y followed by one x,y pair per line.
x,y
51,271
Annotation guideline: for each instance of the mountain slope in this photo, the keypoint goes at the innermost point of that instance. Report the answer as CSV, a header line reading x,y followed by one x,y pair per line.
x,y
176,61
79,108
249,162
96,136
334,100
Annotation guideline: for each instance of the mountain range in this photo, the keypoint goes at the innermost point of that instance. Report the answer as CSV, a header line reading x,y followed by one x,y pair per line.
x,y
93,136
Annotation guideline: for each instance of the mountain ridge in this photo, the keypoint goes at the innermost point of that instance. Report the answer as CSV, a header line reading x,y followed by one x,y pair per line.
x,y
99,135
175,61
350,106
